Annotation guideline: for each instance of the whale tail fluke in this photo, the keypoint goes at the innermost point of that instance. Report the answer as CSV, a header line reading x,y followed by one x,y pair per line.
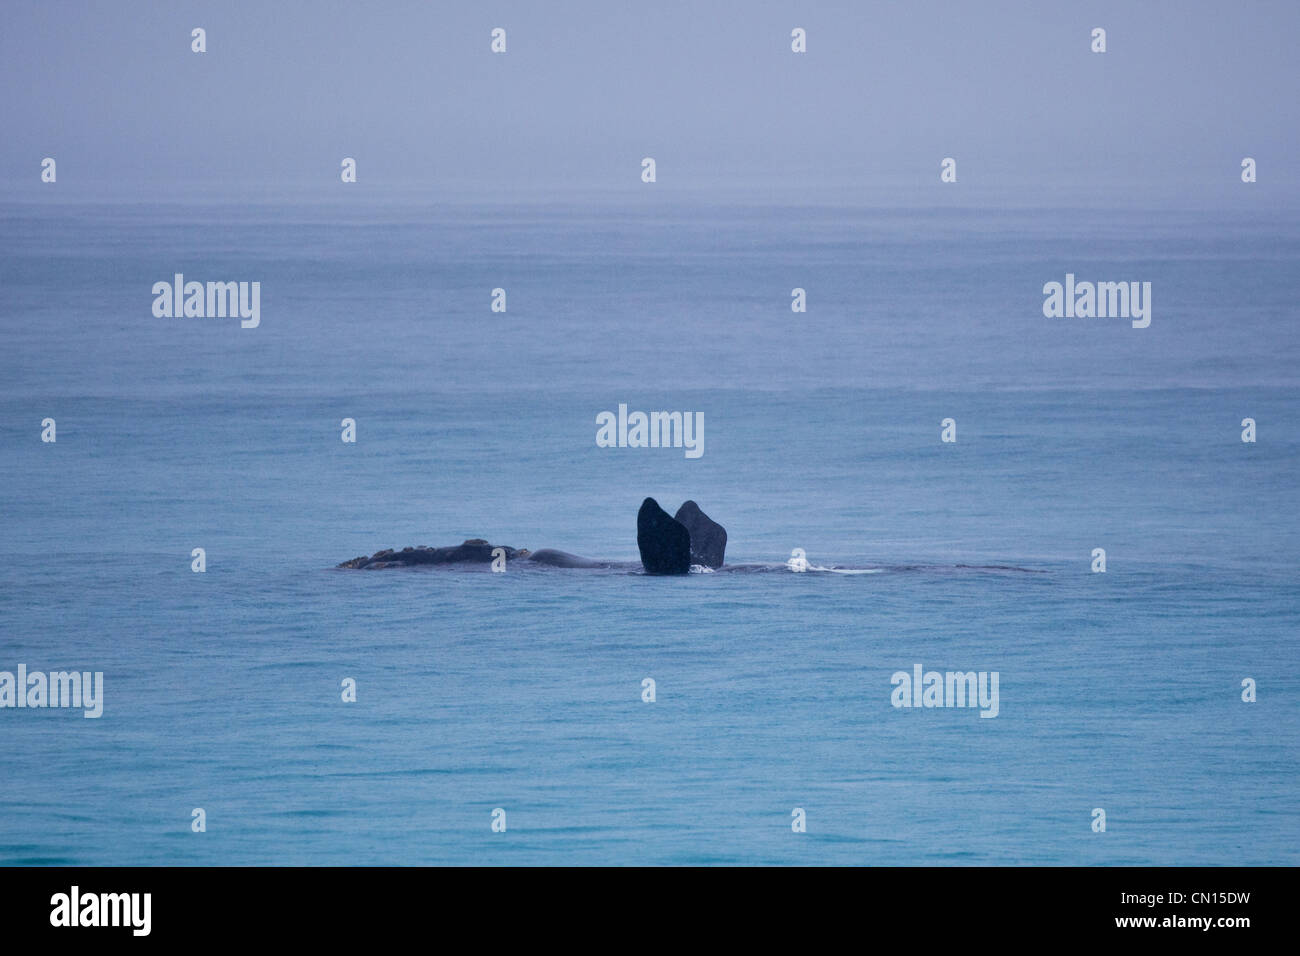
x,y
664,543
708,538
673,544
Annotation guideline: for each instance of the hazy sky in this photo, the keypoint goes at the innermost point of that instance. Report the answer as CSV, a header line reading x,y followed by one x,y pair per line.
x,y
710,89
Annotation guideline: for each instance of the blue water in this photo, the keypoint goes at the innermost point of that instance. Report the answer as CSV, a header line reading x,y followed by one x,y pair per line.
x,y
523,690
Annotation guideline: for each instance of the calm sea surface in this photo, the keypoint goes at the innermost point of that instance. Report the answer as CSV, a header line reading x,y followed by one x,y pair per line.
x,y
522,690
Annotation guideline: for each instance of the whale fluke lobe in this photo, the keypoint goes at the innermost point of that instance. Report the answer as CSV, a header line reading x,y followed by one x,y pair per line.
x,y
665,544
708,538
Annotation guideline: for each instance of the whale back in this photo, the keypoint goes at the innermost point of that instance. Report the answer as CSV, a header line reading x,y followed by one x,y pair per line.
x,y
563,559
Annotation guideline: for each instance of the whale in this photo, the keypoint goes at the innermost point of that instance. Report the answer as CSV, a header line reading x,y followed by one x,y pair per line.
x,y
668,545
687,542
563,559
474,551
472,556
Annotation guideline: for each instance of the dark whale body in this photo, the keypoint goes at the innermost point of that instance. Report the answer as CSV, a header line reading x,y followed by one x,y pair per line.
x,y
562,559
668,545
476,554
473,551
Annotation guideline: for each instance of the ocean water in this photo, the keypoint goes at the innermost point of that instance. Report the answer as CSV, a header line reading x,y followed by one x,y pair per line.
x,y
522,690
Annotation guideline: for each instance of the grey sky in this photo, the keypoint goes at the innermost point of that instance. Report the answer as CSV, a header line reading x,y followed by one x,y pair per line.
x,y
710,89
